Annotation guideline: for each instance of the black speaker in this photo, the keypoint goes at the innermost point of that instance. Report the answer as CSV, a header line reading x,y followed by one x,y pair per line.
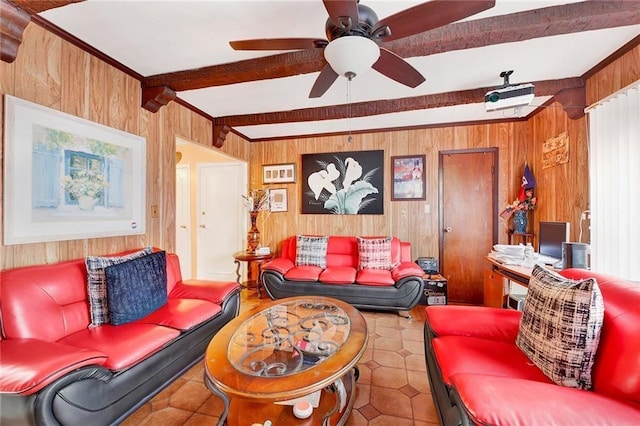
x,y
574,255
428,264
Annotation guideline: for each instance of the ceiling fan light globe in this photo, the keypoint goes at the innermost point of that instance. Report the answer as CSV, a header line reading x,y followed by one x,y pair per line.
x,y
351,55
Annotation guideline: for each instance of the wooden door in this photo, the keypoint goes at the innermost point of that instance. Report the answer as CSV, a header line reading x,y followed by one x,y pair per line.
x,y
468,220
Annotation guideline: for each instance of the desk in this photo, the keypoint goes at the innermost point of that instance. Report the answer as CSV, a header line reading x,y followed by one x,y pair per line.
x,y
496,287
496,281
254,267
519,274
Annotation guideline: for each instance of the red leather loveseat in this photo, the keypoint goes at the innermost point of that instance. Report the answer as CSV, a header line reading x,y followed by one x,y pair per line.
x,y
56,369
396,287
479,375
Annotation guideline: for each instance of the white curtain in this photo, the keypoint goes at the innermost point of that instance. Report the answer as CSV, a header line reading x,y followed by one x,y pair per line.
x,y
614,162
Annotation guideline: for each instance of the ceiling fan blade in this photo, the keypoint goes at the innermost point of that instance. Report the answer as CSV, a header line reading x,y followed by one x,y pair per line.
x,y
396,68
341,11
278,44
430,15
323,82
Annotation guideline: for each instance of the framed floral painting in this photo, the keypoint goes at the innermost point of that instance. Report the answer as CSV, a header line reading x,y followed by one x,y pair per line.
x,y
343,183
68,178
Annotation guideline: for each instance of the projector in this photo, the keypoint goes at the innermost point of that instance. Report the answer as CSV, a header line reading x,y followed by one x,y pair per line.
x,y
509,97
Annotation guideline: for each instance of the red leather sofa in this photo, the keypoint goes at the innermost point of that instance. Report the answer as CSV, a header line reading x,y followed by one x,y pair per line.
x,y
397,289
479,376
54,369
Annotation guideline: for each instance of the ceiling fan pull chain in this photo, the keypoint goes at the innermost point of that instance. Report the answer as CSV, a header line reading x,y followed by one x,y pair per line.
x,y
349,78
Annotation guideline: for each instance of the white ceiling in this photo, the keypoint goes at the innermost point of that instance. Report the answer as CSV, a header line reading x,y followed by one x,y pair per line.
x,y
159,36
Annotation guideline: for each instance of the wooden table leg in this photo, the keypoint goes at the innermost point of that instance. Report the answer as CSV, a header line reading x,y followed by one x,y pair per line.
x,y
238,276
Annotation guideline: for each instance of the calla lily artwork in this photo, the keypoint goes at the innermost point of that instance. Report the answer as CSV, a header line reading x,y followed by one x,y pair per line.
x,y
343,183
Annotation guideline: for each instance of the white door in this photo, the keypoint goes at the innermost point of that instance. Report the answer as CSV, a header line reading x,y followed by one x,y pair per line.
x,y
183,220
221,219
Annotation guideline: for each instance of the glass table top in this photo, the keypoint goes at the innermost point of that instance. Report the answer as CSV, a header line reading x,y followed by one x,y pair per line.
x,y
288,338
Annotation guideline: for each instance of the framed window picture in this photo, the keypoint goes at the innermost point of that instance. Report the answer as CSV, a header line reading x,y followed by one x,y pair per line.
x,y
408,178
279,173
278,200
68,178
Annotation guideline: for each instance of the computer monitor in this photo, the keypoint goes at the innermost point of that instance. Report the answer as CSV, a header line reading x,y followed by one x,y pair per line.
x,y
551,235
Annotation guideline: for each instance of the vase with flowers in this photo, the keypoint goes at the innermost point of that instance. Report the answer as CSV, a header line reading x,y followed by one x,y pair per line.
x,y
84,186
519,209
257,201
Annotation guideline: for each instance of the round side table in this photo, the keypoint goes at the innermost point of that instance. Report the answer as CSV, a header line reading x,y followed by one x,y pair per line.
x,y
254,267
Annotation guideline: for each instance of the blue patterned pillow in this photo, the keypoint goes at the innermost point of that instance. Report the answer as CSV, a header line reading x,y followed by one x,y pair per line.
x,y
311,251
136,288
97,283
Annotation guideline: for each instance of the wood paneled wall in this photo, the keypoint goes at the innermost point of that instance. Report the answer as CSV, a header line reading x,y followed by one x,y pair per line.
x,y
517,142
56,74
618,75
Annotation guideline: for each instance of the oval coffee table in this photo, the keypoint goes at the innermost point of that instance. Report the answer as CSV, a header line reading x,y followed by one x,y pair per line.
x,y
285,349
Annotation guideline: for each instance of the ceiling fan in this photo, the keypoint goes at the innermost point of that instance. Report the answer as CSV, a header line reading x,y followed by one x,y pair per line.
x,y
354,34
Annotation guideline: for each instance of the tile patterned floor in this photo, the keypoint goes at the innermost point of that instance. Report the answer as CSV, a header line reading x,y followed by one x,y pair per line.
x,y
393,388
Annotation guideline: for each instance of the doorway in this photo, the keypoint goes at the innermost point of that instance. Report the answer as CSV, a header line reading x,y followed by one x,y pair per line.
x,y
183,219
468,219
210,222
221,219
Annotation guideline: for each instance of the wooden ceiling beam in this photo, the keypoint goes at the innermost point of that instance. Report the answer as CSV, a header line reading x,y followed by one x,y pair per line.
x,y
36,6
544,22
154,98
15,15
264,68
13,21
570,86
515,27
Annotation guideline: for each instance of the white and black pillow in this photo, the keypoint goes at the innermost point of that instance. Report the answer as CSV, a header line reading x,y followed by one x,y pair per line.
x,y
311,251
375,253
560,326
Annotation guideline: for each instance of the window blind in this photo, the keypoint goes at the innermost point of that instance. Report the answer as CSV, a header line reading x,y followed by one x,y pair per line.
x,y
614,183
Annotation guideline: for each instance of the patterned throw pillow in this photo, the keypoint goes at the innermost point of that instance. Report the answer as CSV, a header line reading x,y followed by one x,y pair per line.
x,y
97,283
560,326
374,253
311,251
136,288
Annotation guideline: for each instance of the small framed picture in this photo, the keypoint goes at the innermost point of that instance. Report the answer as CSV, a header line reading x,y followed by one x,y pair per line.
x,y
278,200
408,178
279,173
